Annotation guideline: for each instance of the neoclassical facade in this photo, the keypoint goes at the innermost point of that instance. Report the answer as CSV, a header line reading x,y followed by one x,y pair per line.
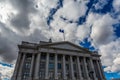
x,y
56,61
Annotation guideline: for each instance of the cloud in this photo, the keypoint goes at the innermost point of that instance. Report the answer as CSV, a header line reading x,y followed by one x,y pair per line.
x,y
48,4
7,50
21,20
111,55
73,10
116,5
101,3
83,32
9,41
5,72
102,30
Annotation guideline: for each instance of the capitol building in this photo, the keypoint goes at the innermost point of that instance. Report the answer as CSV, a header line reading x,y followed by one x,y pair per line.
x,y
56,61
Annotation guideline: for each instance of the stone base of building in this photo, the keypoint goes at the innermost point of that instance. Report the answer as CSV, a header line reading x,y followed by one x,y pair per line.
x,y
13,78
19,78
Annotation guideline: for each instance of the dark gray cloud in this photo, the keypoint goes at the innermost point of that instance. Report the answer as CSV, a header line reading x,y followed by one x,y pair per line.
x,y
7,47
24,7
21,21
7,50
9,41
36,36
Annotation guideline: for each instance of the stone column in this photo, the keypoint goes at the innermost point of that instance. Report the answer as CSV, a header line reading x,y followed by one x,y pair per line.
x,y
56,65
37,66
93,69
64,67
86,69
16,67
21,67
79,69
71,66
31,68
46,68
99,70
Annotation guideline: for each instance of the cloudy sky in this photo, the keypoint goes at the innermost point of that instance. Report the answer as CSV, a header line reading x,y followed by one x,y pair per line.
x,y
93,24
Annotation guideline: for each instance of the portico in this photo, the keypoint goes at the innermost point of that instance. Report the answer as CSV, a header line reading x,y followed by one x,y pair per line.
x,y
57,61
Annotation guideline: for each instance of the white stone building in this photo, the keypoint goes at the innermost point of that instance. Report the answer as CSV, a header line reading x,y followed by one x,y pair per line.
x,y
57,61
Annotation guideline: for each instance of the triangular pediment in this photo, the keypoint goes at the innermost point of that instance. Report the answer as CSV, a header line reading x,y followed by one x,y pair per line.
x,y
65,45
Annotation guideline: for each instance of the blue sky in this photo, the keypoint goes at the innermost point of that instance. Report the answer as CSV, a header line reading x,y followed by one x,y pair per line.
x,y
93,24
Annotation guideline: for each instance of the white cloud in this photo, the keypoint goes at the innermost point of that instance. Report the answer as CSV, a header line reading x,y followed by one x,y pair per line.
x,y
100,4
102,30
48,4
83,32
72,10
111,55
6,72
6,11
116,5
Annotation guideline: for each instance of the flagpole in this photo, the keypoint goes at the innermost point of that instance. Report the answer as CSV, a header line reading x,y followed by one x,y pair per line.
x,y
62,31
64,36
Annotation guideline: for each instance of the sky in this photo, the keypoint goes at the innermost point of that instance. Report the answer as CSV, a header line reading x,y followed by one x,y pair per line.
x,y
93,24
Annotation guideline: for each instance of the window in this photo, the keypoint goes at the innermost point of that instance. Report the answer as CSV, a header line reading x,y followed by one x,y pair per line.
x,y
59,75
74,66
27,65
42,74
59,66
67,58
42,65
51,65
59,57
74,59
51,57
67,67
25,75
51,75
43,56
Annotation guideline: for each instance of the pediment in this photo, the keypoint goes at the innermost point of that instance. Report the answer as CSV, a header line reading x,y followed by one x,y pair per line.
x,y
66,45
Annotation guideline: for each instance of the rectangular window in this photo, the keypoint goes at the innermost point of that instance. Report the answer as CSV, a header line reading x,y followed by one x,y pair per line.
x,y
74,66
67,67
51,65
42,74
59,66
67,58
43,56
59,57
42,65
51,57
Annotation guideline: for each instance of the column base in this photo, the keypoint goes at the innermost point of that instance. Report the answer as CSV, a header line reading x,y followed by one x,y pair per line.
x,y
56,78
19,78
81,78
46,78
65,79
88,79
36,78
30,78
13,78
96,78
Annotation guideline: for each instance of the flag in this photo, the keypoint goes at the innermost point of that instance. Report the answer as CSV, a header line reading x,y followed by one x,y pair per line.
x,y
61,30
